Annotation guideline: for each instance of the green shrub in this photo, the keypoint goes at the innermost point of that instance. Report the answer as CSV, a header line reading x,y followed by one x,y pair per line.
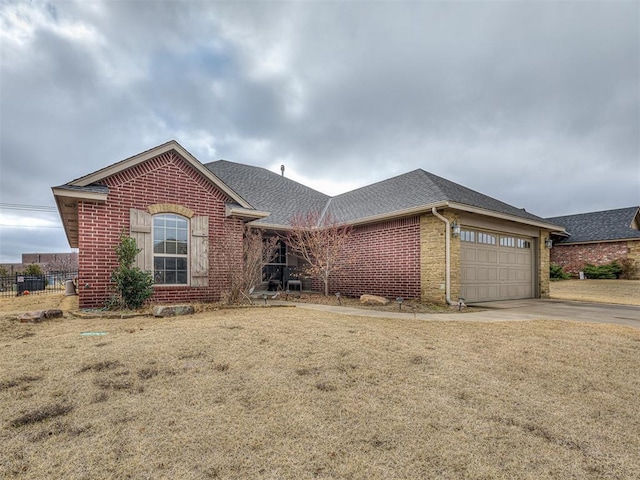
x,y
557,273
133,286
33,270
608,271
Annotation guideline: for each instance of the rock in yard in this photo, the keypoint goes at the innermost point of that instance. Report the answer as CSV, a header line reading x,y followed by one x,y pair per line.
x,y
172,310
373,300
36,316
32,317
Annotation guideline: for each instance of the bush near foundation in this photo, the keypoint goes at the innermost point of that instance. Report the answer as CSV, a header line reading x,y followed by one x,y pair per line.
x,y
607,271
557,273
133,286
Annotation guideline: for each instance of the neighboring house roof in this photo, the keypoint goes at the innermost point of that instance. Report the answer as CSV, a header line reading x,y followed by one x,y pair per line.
x,y
406,194
605,226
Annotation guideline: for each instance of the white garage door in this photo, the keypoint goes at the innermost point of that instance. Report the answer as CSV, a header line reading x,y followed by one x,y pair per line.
x,y
495,266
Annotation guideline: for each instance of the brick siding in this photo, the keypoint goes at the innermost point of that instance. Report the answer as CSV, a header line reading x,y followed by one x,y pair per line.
x,y
573,258
163,179
387,261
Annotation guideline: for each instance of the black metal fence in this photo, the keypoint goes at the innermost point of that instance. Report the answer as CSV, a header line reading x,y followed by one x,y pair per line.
x,y
49,282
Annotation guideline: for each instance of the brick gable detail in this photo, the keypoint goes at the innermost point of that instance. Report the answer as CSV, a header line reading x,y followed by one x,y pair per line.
x,y
166,179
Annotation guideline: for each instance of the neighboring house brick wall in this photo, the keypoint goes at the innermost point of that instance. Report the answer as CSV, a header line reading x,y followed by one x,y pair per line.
x,y
573,258
164,179
387,261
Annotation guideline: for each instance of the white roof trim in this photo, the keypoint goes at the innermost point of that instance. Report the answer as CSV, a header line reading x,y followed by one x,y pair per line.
x,y
80,195
504,216
245,213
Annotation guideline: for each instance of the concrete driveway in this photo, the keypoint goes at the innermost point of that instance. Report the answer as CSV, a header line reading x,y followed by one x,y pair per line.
x,y
510,310
628,315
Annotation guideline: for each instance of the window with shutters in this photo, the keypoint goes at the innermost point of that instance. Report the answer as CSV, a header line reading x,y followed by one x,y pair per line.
x,y
174,247
170,249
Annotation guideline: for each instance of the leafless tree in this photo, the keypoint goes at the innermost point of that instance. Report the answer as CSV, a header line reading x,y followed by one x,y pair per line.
x,y
245,272
321,242
67,262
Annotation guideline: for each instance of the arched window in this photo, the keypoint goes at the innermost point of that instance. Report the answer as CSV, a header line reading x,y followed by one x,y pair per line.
x,y
170,249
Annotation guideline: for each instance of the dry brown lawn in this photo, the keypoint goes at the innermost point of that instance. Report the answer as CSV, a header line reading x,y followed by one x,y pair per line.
x,y
284,393
603,291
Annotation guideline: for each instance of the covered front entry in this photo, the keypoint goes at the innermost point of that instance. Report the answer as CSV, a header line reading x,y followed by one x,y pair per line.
x,y
495,266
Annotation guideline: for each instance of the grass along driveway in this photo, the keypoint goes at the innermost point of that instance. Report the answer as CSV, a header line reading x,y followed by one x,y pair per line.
x,y
288,393
626,292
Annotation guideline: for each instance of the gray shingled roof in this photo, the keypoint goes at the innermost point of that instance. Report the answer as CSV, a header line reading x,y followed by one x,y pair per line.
x,y
410,190
599,226
268,191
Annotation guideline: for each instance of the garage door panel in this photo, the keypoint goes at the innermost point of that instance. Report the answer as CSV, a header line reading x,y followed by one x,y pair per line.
x,y
487,274
468,255
469,273
524,258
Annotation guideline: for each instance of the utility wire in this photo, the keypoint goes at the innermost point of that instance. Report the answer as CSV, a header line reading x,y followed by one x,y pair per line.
x,y
29,226
31,208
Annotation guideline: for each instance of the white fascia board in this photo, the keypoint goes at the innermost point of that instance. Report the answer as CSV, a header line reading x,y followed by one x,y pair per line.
x,y
504,216
245,213
80,195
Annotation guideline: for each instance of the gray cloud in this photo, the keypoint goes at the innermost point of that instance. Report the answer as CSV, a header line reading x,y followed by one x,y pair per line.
x,y
534,103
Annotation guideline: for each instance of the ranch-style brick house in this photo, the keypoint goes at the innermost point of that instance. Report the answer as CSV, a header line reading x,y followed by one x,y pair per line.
x,y
415,236
598,238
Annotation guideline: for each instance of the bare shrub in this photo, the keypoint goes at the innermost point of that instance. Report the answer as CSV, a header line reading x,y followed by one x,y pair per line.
x,y
321,242
244,270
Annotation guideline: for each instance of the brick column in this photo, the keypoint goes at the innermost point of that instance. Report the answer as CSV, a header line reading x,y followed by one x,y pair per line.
x,y
543,265
433,262
633,253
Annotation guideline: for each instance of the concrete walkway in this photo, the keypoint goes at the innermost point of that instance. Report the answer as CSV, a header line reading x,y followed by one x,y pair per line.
x,y
511,310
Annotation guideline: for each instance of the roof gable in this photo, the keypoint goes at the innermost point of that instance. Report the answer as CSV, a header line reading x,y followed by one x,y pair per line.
x,y
413,190
96,177
604,226
90,189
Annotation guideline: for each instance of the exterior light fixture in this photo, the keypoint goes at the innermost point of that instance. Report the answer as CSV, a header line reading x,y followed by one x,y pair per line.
x,y
399,300
455,229
338,297
264,297
548,242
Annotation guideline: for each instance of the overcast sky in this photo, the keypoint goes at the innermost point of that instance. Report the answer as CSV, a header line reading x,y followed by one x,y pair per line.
x,y
534,103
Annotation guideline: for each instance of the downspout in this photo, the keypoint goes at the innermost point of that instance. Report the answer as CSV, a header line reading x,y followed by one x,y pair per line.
x,y
447,257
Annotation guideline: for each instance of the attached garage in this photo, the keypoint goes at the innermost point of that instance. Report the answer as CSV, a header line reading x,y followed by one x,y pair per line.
x,y
496,266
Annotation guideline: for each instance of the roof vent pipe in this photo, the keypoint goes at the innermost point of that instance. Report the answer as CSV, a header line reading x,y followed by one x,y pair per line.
x,y
282,170
447,256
